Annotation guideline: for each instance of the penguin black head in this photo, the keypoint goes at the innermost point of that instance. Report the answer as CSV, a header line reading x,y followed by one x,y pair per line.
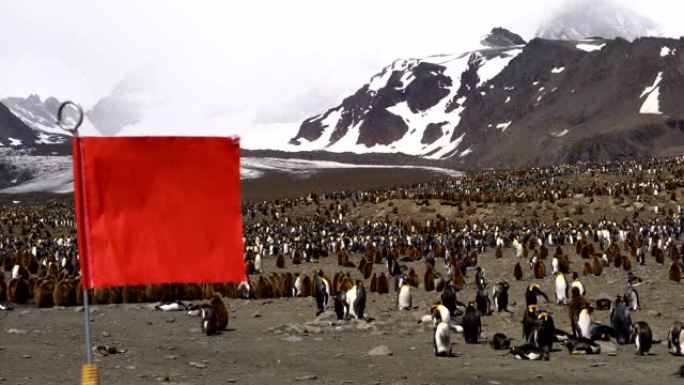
x,y
575,276
575,292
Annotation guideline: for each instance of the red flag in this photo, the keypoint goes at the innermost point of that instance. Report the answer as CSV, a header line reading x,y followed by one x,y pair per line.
x,y
158,210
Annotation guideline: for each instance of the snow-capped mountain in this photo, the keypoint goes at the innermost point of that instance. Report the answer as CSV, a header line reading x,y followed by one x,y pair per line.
x,y
412,106
13,131
581,19
40,127
542,102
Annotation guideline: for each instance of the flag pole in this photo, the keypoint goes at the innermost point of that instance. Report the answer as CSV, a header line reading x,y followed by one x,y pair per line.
x,y
89,371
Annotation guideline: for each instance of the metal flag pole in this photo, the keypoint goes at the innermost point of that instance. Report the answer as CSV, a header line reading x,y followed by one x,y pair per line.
x,y
89,371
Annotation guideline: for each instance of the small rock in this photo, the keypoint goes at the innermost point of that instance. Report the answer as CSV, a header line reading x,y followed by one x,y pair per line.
x,y
170,320
256,315
78,309
27,356
494,382
313,330
654,313
130,367
231,381
105,334
381,350
608,347
307,377
171,357
293,339
16,331
197,365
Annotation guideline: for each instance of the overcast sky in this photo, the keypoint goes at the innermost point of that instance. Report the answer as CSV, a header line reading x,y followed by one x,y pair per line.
x,y
238,65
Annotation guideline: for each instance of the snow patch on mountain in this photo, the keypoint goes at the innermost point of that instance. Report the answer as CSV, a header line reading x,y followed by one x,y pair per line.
x,y
652,104
590,47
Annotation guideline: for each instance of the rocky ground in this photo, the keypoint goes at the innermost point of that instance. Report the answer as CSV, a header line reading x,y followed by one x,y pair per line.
x,y
281,340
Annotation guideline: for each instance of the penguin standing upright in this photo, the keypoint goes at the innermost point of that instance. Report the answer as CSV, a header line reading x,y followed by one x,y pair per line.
x,y
444,314
533,291
675,339
208,324
529,321
321,293
340,304
578,284
479,277
501,296
561,289
220,311
642,337
472,324
544,332
582,322
359,304
441,336
517,272
404,301
448,298
621,321
482,300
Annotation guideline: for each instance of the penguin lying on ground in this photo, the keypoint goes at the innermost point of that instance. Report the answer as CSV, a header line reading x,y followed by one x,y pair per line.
x,y
171,306
528,352
581,345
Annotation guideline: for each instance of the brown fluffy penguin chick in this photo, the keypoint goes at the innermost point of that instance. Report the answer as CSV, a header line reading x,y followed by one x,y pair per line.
x,y
374,284
42,294
133,294
626,263
517,271
597,266
498,254
383,284
280,261
307,286
539,270
220,311
457,279
413,279
115,296
429,279
61,295
586,270
367,270
674,272
18,291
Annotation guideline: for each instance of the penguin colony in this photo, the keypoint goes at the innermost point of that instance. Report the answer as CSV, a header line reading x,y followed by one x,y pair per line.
x,y
555,248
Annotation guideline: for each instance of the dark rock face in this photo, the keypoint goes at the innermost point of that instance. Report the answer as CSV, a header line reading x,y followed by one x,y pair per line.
x,y
432,132
13,127
429,87
501,37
